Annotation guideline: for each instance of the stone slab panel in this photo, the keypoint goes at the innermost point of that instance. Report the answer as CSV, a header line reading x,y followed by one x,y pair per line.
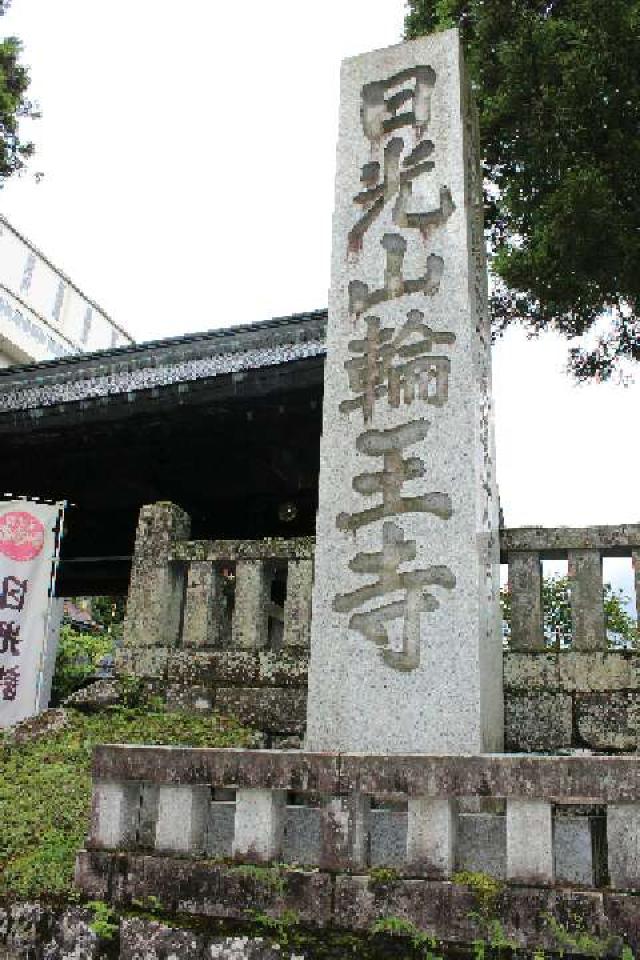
x,y
538,720
405,606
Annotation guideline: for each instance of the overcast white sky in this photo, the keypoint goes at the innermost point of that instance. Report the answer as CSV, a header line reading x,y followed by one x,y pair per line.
x,y
188,152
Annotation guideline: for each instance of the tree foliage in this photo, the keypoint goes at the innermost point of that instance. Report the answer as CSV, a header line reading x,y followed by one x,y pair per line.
x,y
14,81
621,627
557,84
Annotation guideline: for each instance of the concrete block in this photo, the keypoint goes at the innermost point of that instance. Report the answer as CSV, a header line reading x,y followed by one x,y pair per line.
x,y
259,825
529,842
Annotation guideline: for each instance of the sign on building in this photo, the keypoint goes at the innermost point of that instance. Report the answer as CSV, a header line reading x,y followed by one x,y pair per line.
x,y
29,542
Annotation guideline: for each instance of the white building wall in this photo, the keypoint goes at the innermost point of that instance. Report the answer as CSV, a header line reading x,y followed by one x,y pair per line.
x,y
43,314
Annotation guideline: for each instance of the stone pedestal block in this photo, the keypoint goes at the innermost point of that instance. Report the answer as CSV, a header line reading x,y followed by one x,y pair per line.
x,y
406,618
529,841
431,836
259,825
182,819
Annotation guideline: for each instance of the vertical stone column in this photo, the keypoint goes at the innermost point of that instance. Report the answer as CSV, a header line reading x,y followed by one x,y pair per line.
x,y
154,604
406,653
345,832
203,605
250,627
432,826
529,841
587,603
259,825
623,845
525,591
297,606
182,819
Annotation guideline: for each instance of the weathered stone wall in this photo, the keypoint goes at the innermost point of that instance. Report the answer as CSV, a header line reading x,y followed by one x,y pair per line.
x,y
35,931
572,699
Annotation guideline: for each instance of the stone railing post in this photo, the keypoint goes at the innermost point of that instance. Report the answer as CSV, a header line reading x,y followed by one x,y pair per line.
x,y
345,832
114,814
259,825
529,841
623,845
431,836
587,603
525,591
204,603
297,607
181,825
154,604
250,628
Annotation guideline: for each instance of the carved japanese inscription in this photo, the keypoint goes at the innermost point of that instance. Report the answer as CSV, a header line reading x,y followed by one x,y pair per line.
x,y
394,365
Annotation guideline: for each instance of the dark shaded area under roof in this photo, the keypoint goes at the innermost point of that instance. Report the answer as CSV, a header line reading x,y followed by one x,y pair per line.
x,y
227,424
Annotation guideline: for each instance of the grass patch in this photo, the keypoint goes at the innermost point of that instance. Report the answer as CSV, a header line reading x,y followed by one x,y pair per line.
x,y
45,789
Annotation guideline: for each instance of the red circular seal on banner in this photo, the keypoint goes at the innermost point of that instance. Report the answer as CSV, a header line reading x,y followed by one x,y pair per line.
x,y
21,535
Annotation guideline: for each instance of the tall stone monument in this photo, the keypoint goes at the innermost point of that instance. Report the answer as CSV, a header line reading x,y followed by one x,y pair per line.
x,y
406,646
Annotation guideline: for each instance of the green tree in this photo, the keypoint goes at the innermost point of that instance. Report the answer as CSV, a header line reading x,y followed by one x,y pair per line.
x,y
14,81
557,84
621,627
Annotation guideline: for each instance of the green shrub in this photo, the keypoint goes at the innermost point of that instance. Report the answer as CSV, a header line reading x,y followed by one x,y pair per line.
x,y
77,660
45,789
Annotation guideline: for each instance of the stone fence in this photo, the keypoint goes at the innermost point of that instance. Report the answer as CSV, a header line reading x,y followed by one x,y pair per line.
x,y
225,625
350,812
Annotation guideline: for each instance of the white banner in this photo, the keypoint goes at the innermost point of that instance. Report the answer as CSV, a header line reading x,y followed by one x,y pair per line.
x,y
27,556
